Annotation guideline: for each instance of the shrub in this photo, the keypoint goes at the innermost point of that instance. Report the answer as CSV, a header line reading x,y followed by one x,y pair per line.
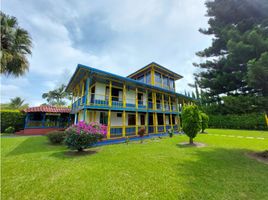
x,y
253,121
13,118
10,129
204,121
191,121
171,132
141,133
56,137
82,135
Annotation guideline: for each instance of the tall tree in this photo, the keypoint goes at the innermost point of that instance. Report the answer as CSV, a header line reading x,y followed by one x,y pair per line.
x,y
15,46
240,34
17,103
56,97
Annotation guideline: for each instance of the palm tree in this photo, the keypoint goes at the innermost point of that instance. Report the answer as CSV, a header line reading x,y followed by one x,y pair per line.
x,y
55,97
15,46
17,103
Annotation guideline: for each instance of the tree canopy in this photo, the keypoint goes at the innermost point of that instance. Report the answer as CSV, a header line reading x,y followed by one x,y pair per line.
x,y
240,39
15,46
56,97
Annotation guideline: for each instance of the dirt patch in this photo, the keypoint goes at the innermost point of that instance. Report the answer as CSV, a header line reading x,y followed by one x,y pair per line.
x,y
259,156
195,144
82,153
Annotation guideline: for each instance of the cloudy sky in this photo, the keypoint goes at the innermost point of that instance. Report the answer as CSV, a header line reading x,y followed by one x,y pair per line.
x,y
119,36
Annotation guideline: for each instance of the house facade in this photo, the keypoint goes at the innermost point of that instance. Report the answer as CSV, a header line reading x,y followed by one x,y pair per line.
x,y
144,99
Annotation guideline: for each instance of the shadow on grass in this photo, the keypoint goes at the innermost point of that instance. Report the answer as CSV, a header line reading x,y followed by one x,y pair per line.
x,y
222,174
34,145
75,154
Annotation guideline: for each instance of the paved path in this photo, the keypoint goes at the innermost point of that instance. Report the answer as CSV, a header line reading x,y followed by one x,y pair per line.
x,y
238,136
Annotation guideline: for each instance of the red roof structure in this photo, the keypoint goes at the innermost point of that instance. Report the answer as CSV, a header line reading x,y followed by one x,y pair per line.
x,y
48,109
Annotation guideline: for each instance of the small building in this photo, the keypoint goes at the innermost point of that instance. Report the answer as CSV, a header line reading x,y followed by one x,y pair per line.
x,y
144,99
43,119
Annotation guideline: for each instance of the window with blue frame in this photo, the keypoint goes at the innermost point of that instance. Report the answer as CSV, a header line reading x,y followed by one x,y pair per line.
x,y
158,79
165,81
104,118
171,83
148,77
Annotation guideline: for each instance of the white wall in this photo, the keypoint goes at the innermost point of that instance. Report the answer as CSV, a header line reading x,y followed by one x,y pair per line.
x,y
100,91
116,121
130,96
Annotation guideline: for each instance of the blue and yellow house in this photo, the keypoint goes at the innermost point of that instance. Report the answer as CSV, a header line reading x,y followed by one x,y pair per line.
x,y
145,98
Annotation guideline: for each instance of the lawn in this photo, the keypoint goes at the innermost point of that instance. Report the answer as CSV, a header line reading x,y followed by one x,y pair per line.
x,y
157,169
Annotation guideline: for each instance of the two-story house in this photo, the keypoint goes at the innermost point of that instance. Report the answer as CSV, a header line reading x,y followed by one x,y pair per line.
x,y
145,98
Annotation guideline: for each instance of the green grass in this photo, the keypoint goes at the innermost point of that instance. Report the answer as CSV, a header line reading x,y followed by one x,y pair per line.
x,y
157,169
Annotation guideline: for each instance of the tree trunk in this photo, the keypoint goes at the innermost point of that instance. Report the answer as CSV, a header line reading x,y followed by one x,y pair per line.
x,y
191,141
80,149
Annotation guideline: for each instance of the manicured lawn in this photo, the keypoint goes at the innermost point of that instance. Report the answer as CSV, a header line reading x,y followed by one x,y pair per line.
x,y
157,169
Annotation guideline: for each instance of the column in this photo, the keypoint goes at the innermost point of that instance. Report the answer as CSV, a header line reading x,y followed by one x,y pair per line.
x,y
169,102
163,103
137,122
124,95
136,99
155,122
146,123
109,125
171,123
152,76
124,123
110,94
43,119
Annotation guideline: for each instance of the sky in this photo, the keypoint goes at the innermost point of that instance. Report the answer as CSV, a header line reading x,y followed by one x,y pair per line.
x,y
118,36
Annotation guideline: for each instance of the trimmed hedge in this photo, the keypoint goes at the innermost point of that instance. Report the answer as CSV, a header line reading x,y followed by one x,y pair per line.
x,y
255,121
56,137
13,118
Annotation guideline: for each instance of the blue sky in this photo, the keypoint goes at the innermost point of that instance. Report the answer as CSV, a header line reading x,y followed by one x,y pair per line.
x,y
116,36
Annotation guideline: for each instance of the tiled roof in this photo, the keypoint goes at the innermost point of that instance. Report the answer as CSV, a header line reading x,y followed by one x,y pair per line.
x,y
49,109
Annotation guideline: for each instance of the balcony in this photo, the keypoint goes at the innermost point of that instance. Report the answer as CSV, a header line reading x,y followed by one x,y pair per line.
x,y
101,100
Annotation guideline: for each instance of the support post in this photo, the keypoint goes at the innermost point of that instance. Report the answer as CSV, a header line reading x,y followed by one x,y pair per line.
x,y
147,99
152,76
124,95
124,123
110,94
156,122
136,99
84,115
109,125
171,123
163,103
137,122
169,102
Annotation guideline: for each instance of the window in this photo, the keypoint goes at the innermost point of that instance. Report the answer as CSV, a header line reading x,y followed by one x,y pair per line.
x,y
119,114
131,119
140,98
158,78
171,83
141,78
104,118
148,77
165,81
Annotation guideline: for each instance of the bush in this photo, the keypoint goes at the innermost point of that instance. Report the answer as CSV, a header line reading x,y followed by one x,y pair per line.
x,y
191,121
12,118
171,132
10,129
82,135
56,137
141,133
253,121
204,121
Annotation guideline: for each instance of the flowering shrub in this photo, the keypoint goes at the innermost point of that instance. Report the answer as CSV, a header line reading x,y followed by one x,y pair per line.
x,y
83,135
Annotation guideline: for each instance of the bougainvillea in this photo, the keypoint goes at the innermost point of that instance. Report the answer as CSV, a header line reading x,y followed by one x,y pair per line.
x,y
83,135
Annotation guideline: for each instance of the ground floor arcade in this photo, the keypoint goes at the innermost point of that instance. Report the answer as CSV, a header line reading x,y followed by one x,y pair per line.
x,y
125,123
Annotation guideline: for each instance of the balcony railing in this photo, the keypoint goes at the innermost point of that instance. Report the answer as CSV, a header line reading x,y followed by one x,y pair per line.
x,y
117,102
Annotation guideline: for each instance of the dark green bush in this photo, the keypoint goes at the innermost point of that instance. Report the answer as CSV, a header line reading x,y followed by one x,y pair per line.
x,y
253,121
204,121
56,137
171,132
13,118
10,129
191,121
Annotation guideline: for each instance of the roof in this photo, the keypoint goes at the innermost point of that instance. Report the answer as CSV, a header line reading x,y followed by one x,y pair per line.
x,y
48,109
82,70
160,68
